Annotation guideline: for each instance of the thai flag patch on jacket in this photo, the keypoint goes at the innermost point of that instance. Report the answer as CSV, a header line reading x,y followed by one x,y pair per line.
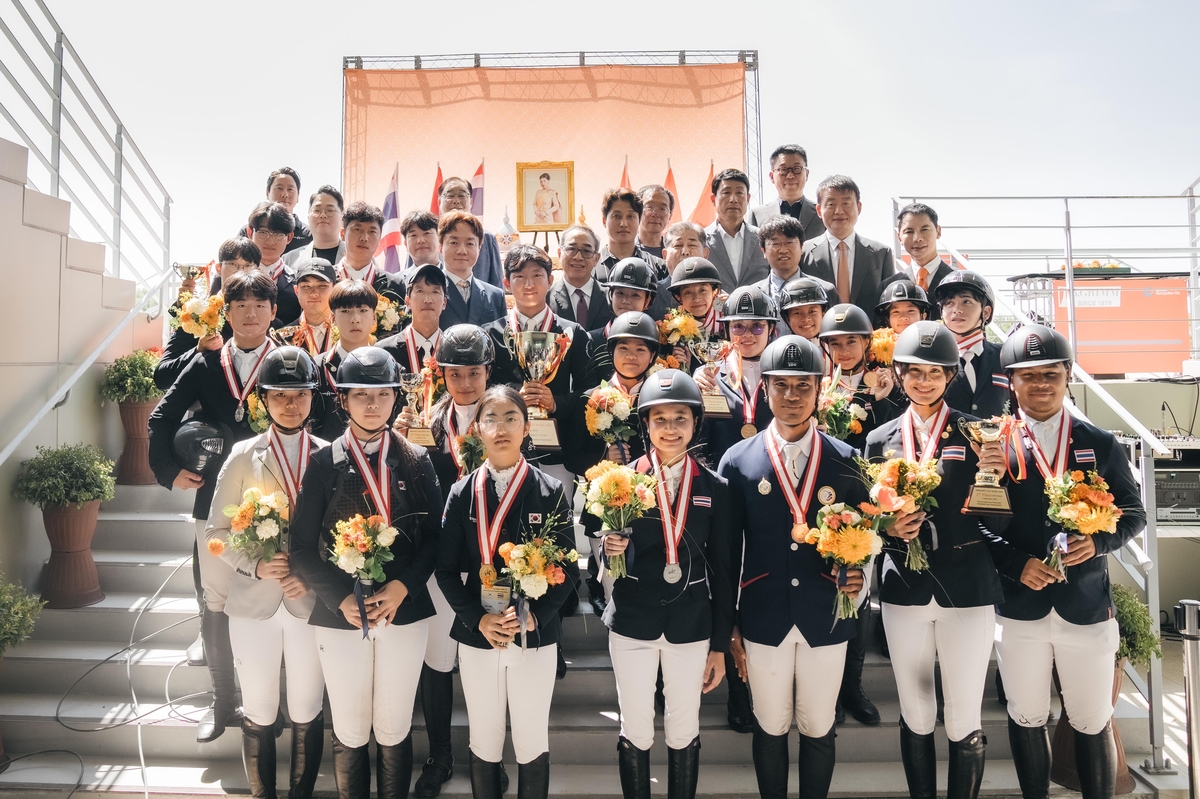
x,y
954,453
1085,456
1000,380
702,502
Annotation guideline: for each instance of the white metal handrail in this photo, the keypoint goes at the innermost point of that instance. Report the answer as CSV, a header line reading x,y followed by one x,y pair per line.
x,y
57,110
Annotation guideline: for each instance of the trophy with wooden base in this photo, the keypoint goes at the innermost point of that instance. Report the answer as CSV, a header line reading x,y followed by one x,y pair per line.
x,y
539,354
711,351
413,385
987,497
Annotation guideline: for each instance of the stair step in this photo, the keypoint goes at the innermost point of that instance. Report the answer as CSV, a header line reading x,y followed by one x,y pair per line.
x,y
209,777
145,531
139,571
150,499
112,619
43,667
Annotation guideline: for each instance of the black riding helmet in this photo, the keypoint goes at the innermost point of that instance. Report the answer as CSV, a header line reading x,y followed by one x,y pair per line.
x,y
803,291
636,325
286,369
465,345
632,273
749,302
792,355
1035,345
930,344
693,270
201,446
901,291
666,387
848,320
965,279
371,367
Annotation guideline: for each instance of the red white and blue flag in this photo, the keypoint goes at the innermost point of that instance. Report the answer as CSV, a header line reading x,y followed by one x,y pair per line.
x,y
391,241
477,191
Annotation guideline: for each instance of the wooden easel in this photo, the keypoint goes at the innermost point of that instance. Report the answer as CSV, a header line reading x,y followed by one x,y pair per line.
x,y
546,233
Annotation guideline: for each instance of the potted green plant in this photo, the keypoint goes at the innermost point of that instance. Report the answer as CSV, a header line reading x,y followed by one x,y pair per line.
x,y
129,382
68,483
1139,643
18,612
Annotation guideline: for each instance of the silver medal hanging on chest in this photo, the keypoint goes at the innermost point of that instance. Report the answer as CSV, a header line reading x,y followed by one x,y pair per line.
x,y
672,573
240,413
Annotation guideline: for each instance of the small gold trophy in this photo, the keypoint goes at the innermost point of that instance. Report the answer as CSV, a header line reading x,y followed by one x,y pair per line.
x,y
709,351
539,354
987,497
413,384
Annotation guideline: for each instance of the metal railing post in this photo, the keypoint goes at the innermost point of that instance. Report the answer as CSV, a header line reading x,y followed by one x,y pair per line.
x,y
56,115
1193,274
1070,275
1187,621
118,169
1156,763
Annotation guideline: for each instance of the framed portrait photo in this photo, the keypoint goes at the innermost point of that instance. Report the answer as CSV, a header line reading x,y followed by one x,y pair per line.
x,y
545,196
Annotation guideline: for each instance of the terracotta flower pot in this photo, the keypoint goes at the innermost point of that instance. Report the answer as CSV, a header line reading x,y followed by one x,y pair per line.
x,y
1062,769
133,467
70,579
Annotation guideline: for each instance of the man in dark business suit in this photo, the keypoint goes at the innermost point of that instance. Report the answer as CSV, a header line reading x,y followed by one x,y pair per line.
x,y
857,266
918,230
577,295
789,173
469,300
732,243
455,195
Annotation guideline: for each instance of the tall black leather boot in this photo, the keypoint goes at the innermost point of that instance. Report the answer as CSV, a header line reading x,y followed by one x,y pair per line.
x,y
258,757
1031,756
851,696
308,744
770,764
966,766
634,765
683,769
352,770
920,763
817,756
485,779
437,703
1096,763
533,778
393,769
741,713
214,626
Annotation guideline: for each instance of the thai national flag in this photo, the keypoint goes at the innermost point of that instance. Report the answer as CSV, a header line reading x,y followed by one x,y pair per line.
x,y
477,191
391,241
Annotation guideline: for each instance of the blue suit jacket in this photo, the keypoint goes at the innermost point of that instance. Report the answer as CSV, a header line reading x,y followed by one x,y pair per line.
x,y
784,584
486,305
488,267
991,386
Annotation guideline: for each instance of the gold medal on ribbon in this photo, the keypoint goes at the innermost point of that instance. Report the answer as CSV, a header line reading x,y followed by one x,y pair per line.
x,y
764,487
799,532
749,430
487,575
870,379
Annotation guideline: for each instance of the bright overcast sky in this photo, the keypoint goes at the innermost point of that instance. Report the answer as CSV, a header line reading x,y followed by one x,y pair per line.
x,y
1087,96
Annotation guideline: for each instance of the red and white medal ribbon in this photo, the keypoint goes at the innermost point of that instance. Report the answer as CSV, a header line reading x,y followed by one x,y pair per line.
x,y
326,343
452,437
1060,454
234,383
276,269
965,344
749,401
378,485
410,340
343,272
712,322
488,529
673,524
292,478
514,323
798,502
908,434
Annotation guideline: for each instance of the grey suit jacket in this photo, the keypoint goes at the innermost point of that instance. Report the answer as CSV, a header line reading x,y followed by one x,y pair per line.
x,y
486,305
809,220
873,264
562,299
294,257
754,264
251,464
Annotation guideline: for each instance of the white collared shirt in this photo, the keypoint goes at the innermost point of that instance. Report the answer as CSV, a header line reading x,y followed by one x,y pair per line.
x,y
673,475
1046,433
532,322
922,425
291,444
796,452
733,246
424,343
355,274
502,477
245,360
586,288
833,250
371,447
751,373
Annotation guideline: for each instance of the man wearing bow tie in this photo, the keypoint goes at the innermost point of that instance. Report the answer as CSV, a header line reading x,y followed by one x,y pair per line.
x,y
789,174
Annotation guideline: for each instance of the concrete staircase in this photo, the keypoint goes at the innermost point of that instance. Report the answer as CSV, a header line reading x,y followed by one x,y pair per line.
x,y
142,545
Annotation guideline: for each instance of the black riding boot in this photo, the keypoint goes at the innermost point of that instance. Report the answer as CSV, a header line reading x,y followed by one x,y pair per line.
x,y
683,769
770,764
741,715
634,766
852,697
533,778
308,744
966,766
437,702
1031,756
817,756
258,756
214,626
393,769
352,770
1096,763
920,763
485,779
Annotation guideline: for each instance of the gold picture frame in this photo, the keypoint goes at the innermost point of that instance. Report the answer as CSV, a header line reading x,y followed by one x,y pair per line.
x,y
548,206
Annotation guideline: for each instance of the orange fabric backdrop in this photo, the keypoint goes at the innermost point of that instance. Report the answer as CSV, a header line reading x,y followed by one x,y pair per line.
x,y
594,116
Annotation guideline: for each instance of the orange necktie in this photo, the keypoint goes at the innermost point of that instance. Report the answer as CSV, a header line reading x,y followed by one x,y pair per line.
x,y
843,272
923,278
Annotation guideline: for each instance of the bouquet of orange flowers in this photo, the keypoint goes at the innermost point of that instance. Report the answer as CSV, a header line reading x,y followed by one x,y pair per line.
x,y
257,413
1082,505
535,564
258,524
607,414
836,411
198,316
390,315
435,381
360,547
679,327
663,362
900,485
617,495
849,539
470,449
883,346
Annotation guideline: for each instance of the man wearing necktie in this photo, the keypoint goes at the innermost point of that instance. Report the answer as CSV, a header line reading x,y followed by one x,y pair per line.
x,y
981,387
789,175
425,297
469,299
782,241
918,230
